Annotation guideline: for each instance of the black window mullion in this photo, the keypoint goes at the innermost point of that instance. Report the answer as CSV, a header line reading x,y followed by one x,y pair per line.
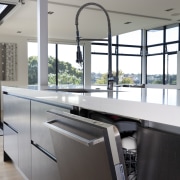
x,y
117,60
179,38
56,65
164,54
142,54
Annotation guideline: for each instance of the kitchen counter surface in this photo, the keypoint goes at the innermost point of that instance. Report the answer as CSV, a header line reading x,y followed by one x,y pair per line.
x,y
157,105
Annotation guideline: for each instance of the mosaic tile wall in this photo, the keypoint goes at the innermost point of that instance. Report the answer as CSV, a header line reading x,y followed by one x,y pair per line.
x,y
8,61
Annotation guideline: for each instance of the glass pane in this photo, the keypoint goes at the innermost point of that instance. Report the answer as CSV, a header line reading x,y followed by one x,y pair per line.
x,y
99,69
104,40
52,64
99,48
32,63
171,69
131,38
156,49
172,34
172,47
129,50
99,73
2,7
155,69
70,73
129,70
114,40
154,36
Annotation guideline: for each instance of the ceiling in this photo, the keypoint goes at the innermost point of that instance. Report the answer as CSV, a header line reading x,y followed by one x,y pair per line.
x,y
143,14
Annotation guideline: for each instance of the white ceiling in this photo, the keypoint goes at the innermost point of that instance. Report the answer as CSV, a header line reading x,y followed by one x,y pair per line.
x,y
143,14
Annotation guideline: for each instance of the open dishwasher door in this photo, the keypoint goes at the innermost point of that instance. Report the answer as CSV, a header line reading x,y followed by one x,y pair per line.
x,y
86,149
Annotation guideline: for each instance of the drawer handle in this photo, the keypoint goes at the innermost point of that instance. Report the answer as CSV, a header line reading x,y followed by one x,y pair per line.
x,y
73,136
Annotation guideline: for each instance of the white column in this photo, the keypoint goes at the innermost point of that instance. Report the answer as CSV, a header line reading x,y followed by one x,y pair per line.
x,y
42,20
178,70
144,64
87,65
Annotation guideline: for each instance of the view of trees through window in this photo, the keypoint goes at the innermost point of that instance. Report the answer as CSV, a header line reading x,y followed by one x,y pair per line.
x,y
161,59
126,59
68,72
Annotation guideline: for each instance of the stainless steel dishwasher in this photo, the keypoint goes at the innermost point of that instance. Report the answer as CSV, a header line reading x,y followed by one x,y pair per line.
x,y
86,149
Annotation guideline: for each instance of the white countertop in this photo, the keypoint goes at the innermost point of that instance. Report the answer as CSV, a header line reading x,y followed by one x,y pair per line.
x,y
157,105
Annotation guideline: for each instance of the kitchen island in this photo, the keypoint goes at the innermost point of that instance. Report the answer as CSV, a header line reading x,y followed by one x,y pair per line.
x,y
155,105
25,111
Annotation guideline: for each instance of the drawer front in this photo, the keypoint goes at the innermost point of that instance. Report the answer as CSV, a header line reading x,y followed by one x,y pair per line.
x,y
16,111
40,134
43,167
11,143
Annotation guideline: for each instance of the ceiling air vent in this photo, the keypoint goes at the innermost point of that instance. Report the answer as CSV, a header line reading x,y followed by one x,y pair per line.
x,y
7,7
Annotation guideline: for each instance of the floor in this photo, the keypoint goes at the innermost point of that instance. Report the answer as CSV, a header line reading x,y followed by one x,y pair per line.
x,y
7,169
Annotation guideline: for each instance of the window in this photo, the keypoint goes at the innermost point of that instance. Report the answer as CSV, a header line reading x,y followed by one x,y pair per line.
x,y
155,69
155,36
114,39
32,63
172,47
68,73
99,48
155,50
99,69
172,33
131,38
162,45
129,50
52,64
129,70
171,69
128,57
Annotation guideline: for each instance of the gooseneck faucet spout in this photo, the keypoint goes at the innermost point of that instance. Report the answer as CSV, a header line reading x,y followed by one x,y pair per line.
x,y
79,55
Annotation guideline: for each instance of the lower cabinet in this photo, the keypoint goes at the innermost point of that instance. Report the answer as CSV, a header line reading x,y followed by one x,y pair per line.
x,y
17,142
11,143
43,167
44,164
27,142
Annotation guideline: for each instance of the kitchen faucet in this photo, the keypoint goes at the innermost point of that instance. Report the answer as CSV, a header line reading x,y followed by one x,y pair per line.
x,y
79,54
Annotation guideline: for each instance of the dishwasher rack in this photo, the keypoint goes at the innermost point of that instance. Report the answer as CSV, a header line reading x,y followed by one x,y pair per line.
x,y
130,157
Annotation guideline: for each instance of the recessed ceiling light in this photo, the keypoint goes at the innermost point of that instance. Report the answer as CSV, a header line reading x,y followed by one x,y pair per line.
x,y
128,22
169,9
50,12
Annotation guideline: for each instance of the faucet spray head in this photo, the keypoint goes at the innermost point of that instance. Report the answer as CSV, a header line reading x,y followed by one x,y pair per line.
x,y
79,58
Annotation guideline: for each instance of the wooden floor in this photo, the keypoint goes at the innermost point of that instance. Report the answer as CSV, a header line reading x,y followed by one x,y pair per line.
x,y
7,169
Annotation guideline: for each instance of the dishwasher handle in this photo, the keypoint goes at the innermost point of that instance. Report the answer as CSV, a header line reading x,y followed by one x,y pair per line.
x,y
73,136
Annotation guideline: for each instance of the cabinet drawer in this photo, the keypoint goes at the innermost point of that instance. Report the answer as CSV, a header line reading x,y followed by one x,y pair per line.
x,y
40,134
43,167
11,143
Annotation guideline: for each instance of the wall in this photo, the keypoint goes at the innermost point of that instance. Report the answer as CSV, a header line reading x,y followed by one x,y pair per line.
x,y
22,59
22,63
